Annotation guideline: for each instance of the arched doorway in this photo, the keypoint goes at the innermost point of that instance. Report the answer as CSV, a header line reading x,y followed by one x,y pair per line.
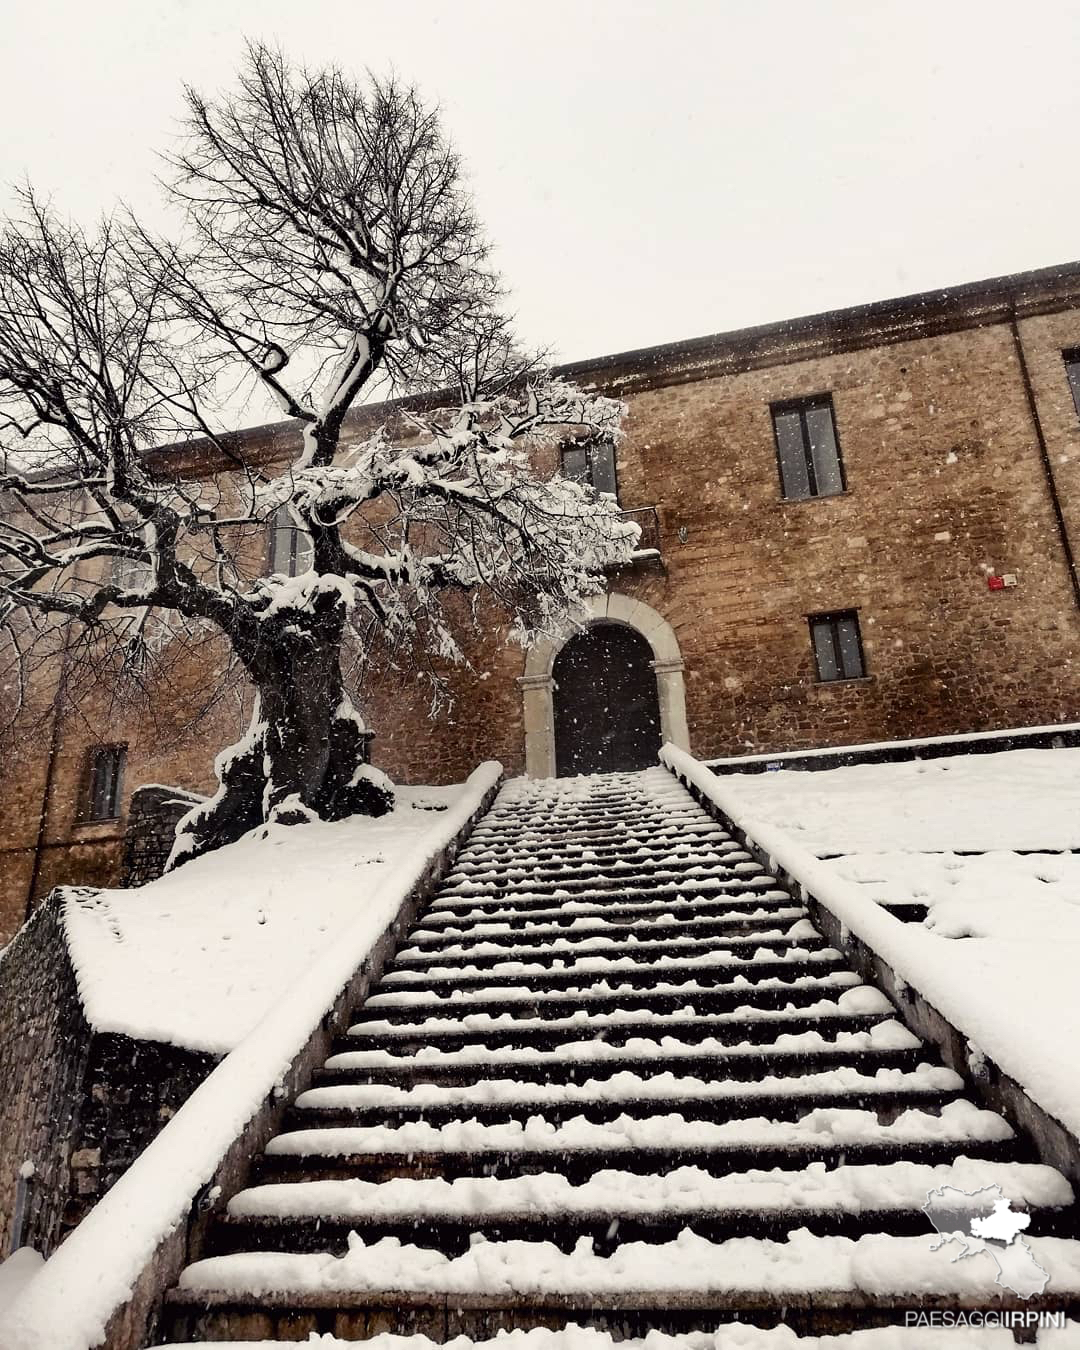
x,y
607,714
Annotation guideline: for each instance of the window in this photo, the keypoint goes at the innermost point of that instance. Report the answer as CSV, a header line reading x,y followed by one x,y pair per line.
x,y
290,547
837,646
807,449
1072,372
130,574
104,783
593,464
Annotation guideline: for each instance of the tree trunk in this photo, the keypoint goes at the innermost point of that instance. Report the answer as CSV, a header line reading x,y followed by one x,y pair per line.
x,y
302,757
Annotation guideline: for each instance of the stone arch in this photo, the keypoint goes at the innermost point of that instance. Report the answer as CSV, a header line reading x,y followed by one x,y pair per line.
x,y
667,662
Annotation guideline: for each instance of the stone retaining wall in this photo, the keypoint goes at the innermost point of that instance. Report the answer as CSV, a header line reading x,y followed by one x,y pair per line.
x,y
77,1105
152,820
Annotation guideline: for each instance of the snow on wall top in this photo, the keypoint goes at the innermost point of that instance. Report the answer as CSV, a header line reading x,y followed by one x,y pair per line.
x,y
197,957
998,951
1016,799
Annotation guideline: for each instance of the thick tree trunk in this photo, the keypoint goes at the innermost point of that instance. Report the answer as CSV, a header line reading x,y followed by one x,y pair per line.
x,y
302,757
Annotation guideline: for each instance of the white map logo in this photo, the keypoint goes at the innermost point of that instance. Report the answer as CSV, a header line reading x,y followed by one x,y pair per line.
x,y
983,1222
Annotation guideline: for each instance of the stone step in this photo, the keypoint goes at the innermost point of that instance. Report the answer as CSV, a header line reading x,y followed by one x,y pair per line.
x,y
645,928
549,954
606,1230
651,1144
620,892
347,1107
579,1164
710,875
536,1034
675,848
792,961
688,1323
616,832
845,1319
717,902
615,1069
606,996
554,1066
587,863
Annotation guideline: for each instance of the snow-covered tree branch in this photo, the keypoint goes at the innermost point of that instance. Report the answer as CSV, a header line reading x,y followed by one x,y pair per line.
x,y
331,250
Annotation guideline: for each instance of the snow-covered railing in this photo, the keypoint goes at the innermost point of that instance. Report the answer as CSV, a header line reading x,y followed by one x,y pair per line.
x,y
1054,736
887,951
102,1285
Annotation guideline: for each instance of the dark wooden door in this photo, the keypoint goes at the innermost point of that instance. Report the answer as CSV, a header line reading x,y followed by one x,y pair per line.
x,y
607,717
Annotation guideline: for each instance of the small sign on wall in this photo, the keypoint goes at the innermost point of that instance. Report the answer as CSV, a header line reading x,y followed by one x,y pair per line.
x,y
1002,582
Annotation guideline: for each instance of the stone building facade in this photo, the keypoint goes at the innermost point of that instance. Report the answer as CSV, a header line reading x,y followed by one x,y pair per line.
x,y
924,584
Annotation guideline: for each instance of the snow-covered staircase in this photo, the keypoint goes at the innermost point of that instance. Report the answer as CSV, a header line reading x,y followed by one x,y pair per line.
x,y
615,1077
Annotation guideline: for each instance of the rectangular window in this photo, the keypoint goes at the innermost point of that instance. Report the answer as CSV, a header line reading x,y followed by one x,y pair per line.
x,y
1072,372
837,646
105,781
807,449
130,574
290,547
593,464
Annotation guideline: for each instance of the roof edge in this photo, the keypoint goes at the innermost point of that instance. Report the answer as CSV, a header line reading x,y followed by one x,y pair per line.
x,y
905,318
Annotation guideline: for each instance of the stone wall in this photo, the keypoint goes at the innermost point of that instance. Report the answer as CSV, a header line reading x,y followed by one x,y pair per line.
x,y
153,816
77,1105
44,1049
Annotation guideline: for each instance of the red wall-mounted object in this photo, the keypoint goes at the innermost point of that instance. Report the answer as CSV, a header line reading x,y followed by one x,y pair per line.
x,y
996,583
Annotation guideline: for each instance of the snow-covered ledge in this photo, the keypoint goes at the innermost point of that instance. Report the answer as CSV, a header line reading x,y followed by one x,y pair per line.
x,y
104,1285
935,1004
537,687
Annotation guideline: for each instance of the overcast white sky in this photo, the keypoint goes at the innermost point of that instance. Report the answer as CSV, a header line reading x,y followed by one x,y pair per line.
x,y
648,171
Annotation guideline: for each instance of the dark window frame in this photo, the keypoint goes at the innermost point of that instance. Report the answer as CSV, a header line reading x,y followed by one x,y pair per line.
x,y
588,447
1071,360
833,618
802,406
103,787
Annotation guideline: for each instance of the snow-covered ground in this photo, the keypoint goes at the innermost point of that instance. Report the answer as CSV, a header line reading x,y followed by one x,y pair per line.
x,y
999,951
197,957
1016,799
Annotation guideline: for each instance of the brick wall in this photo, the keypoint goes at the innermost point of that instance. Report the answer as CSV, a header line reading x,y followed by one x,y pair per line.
x,y
945,482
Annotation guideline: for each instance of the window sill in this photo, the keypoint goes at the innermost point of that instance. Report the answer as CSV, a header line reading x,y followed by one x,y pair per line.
x,y
821,497
110,822
842,684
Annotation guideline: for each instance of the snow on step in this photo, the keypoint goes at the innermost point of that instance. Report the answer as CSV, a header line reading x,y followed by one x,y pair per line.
x,y
862,1000
734,1336
602,965
683,1191
563,894
670,904
413,955
626,1086
602,989
960,1121
890,1035
876,1265
599,925
705,874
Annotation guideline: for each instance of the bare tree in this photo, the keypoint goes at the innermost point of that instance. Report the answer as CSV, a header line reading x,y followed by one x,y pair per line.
x,y
330,249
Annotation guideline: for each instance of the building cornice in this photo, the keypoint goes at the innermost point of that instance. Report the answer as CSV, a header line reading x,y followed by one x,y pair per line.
x,y
953,309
